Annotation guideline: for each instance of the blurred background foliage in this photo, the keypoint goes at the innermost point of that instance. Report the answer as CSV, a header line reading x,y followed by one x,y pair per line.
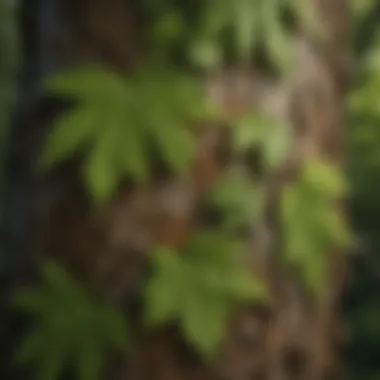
x,y
362,303
8,66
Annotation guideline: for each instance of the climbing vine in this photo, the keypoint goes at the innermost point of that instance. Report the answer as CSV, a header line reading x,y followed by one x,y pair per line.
x,y
113,126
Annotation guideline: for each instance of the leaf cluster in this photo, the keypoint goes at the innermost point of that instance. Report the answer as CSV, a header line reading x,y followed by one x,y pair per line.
x,y
119,125
250,24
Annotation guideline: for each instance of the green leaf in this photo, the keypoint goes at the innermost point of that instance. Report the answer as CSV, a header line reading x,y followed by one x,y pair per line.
x,y
277,145
72,329
307,15
163,290
273,139
92,361
245,287
312,225
116,119
240,200
51,365
277,41
176,146
206,53
91,84
132,155
246,23
100,171
117,333
325,178
212,250
35,303
72,131
250,130
205,319
250,24
199,287
32,348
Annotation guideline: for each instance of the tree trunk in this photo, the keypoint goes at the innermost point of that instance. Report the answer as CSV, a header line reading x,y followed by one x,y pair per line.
x,y
296,337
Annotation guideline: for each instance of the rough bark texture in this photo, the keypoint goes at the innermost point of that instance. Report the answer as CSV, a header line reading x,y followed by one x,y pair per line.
x,y
296,338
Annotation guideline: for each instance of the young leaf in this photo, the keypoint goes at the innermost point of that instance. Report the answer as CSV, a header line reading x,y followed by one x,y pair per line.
x,y
312,226
240,201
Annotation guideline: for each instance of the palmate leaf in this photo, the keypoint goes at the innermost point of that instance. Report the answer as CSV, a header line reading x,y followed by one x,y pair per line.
x,y
276,39
117,119
71,328
312,225
239,16
199,287
240,201
250,23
